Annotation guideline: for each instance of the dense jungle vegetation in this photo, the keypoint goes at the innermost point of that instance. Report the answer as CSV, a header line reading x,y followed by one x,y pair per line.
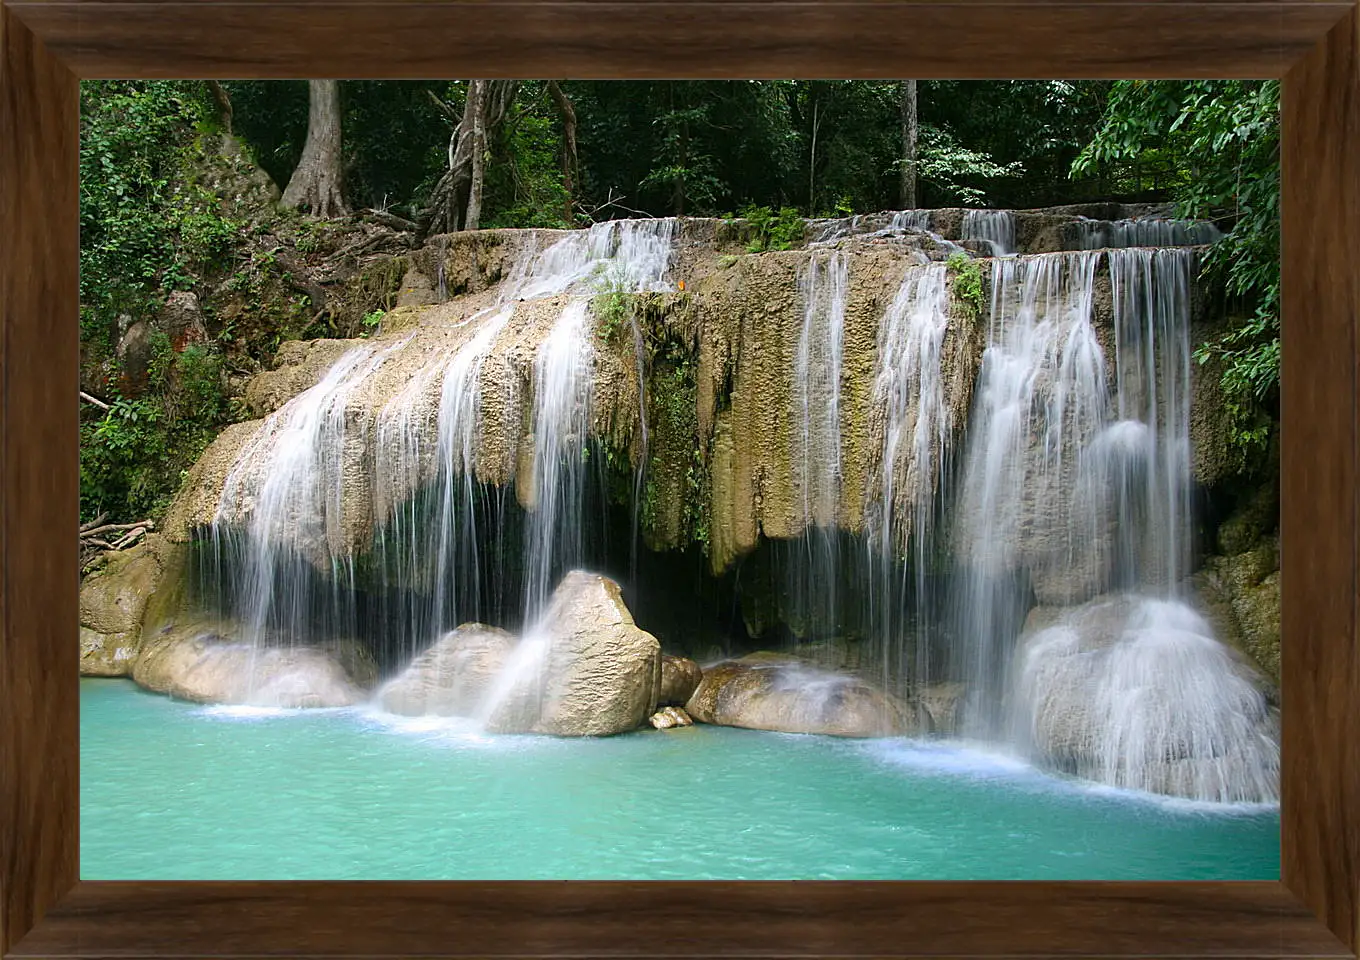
x,y
429,157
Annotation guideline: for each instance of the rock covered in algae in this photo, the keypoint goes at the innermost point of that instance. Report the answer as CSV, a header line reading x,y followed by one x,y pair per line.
x,y
454,677
204,662
669,718
680,677
765,691
1136,692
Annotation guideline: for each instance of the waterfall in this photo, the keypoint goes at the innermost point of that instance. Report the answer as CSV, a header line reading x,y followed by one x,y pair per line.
x,y
1040,396
909,395
996,228
816,457
817,386
1148,458
1145,232
561,418
288,488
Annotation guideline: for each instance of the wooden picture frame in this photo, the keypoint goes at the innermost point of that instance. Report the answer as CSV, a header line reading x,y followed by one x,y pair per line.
x,y
46,46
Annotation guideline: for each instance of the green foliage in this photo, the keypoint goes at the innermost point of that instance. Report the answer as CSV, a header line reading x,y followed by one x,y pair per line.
x,y
951,168
614,304
1216,143
771,231
146,227
372,321
133,457
966,282
524,188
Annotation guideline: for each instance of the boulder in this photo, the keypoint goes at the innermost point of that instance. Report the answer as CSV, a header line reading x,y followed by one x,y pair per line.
x,y
205,662
454,677
1135,692
669,718
940,704
107,654
767,691
680,677
597,672
113,604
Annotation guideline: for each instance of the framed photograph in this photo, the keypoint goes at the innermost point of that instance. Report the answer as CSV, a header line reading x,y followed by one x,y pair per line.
x,y
679,482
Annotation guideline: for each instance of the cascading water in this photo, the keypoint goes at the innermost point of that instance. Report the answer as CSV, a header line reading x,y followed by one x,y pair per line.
x,y
561,419
287,487
996,228
1040,397
1145,232
284,568
1072,487
817,442
909,391
1070,490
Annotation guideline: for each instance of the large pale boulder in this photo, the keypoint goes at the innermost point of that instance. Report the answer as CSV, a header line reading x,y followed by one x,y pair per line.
x,y
766,691
455,677
600,673
205,662
1136,692
113,604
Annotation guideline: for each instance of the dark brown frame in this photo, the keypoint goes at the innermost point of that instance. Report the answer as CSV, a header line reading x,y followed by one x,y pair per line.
x,y
47,45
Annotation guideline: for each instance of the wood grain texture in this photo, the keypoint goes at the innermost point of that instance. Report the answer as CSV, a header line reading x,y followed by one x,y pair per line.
x,y
649,38
842,919
1320,483
732,38
39,705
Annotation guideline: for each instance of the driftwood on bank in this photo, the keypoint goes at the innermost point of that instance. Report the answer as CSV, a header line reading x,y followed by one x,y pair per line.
x,y
98,537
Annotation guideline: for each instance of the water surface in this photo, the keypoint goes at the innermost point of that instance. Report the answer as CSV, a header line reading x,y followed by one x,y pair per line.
x,y
176,791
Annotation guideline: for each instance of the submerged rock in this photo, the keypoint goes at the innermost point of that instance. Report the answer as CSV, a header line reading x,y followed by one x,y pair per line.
x,y
766,691
680,677
668,718
204,663
1136,693
454,677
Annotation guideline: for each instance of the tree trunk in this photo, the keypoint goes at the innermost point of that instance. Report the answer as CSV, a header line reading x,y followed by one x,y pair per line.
x,y
223,102
909,136
477,100
569,160
316,183
452,206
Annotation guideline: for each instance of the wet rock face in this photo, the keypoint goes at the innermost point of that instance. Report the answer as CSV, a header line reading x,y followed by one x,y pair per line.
x,y
680,677
454,677
113,604
767,691
204,662
1136,693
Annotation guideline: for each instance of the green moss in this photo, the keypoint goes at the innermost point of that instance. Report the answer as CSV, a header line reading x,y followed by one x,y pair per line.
x,y
966,283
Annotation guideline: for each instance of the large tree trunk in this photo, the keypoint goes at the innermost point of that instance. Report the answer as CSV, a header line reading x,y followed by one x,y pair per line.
x,y
474,206
456,203
316,183
909,136
569,160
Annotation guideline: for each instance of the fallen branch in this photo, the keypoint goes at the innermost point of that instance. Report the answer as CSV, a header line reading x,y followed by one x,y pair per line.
x,y
114,527
95,400
400,224
87,527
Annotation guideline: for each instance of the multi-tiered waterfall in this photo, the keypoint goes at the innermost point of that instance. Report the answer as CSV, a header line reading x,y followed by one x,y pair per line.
x,y
976,472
